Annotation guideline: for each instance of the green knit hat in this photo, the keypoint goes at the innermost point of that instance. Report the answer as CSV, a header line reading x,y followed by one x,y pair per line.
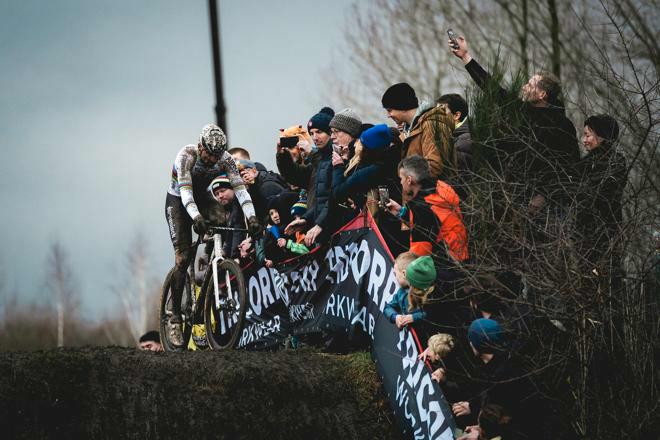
x,y
421,273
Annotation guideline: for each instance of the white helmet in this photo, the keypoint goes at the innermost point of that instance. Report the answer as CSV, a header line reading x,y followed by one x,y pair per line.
x,y
213,139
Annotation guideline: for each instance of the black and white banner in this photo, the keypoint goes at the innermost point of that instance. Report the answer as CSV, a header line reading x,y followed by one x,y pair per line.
x,y
342,289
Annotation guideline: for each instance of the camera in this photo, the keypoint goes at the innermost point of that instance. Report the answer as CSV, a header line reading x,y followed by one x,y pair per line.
x,y
384,195
289,141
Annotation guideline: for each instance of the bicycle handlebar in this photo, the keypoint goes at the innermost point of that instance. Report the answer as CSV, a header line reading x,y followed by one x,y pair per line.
x,y
225,228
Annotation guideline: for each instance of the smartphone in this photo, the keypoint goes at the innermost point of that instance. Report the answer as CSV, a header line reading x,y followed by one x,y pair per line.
x,y
384,194
453,37
289,141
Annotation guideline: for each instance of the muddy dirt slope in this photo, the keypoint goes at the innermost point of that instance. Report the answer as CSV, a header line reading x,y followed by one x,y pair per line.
x,y
121,393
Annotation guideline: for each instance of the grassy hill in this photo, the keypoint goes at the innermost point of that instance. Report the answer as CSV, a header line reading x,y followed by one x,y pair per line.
x,y
122,393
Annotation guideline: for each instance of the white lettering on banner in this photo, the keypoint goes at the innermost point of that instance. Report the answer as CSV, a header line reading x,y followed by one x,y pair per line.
x,y
337,263
259,330
255,295
344,307
299,312
279,281
360,317
376,276
264,282
412,382
360,267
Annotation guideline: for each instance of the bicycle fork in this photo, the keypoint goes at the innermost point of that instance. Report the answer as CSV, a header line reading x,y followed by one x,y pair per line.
x,y
228,301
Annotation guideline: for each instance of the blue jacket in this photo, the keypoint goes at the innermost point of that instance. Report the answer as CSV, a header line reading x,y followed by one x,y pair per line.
x,y
358,183
398,305
317,178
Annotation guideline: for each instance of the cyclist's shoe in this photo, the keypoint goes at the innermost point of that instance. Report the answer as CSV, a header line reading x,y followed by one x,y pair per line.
x,y
174,333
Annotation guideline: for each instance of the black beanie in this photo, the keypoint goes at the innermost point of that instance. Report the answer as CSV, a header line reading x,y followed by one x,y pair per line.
x,y
605,126
400,97
321,120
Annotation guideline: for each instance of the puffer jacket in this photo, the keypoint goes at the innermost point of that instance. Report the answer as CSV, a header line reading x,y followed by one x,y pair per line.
x,y
302,175
436,225
320,190
430,136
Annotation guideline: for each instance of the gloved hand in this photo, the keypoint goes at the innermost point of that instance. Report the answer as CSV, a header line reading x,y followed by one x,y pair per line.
x,y
254,227
200,225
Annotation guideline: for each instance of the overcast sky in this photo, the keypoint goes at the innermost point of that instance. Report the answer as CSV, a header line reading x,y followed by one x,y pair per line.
x,y
97,97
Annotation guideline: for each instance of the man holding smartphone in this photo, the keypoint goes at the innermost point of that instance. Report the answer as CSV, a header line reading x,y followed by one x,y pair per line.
x,y
550,145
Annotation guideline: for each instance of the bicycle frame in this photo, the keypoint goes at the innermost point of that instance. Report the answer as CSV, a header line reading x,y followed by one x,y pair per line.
x,y
217,258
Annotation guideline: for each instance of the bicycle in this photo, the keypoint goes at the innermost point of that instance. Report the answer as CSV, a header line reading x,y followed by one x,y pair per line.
x,y
225,302
227,306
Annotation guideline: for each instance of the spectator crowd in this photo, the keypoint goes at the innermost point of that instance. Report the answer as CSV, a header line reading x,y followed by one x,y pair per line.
x,y
413,178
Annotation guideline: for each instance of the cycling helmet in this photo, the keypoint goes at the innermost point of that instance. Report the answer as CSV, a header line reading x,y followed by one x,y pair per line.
x,y
213,139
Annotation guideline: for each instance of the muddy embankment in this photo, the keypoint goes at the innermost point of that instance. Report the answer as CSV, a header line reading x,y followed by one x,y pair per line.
x,y
122,393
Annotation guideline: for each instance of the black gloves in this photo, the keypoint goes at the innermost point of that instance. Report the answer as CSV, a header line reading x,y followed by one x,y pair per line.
x,y
200,225
254,227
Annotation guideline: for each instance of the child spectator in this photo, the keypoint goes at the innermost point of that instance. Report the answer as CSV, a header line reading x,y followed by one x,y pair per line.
x,y
416,277
278,246
439,347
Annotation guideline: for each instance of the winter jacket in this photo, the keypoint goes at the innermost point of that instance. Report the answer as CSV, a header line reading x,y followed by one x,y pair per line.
x,y
436,225
321,188
602,175
266,186
429,136
398,305
356,185
277,254
503,381
317,178
550,146
463,145
234,238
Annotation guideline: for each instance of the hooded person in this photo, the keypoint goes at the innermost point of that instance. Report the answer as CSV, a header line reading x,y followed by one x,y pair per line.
x,y
426,129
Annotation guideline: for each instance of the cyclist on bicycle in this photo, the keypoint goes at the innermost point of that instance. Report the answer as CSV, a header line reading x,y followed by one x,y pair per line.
x,y
189,204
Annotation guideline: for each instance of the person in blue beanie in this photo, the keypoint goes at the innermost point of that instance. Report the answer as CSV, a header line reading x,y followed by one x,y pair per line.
x,y
504,381
358,180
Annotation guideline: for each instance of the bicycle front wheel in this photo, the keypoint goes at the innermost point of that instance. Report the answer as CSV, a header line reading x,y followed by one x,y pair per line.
x,y
165,312
224,315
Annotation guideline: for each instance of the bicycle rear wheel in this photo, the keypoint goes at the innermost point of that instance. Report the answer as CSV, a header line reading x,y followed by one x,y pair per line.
x,y
224,319
165,312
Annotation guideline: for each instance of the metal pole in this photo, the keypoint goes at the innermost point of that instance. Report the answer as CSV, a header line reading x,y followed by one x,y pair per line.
x,y
220,109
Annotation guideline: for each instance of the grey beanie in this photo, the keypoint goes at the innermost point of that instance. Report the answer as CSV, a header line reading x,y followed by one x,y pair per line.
x,y
347,120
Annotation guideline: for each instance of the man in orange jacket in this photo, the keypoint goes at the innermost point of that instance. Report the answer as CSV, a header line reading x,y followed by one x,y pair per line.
x,y
433,216
436,227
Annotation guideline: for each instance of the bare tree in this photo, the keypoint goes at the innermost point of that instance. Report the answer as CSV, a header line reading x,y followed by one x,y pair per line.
x,y
137,292
61,284
607,54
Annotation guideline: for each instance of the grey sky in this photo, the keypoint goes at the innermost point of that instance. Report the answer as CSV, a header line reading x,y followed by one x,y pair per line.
x,y
97,97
